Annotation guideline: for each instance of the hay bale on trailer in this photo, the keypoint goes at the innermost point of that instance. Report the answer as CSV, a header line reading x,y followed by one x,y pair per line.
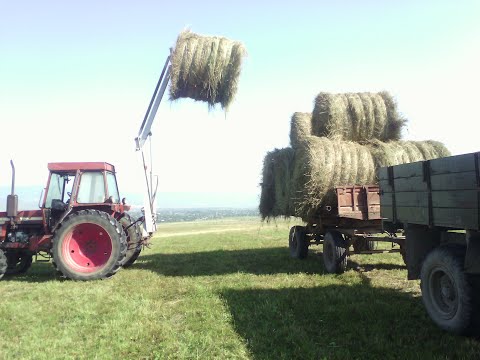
x,y
320,165
402,152
357,117
275,199
206,68
300,128
300,182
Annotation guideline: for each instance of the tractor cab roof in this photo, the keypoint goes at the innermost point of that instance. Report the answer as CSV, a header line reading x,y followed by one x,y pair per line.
x,y
72,167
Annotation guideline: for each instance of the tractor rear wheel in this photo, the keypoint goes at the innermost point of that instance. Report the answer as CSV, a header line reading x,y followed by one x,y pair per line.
x,y
3,263
89,245
134,237
18,262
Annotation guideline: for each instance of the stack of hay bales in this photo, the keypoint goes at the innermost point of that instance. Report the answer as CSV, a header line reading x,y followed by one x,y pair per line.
x,y
206,68
343,142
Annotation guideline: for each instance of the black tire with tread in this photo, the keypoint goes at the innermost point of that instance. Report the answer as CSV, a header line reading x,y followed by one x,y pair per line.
x,y
361,244
448,298
297,242
3,263
117,236
18,262
334,252
134,237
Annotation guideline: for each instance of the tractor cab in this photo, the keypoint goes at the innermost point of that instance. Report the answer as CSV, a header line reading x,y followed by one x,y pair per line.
x,y
74,186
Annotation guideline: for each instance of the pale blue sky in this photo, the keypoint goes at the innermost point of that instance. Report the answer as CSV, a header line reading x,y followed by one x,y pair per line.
x,y
76,78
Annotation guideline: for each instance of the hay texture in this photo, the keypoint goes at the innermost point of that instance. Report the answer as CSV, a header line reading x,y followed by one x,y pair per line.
x,y
302,182
301,128
357,117
206,68
275,197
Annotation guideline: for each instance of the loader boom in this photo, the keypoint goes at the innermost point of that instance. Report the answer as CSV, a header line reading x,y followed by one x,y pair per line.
x,y
144,134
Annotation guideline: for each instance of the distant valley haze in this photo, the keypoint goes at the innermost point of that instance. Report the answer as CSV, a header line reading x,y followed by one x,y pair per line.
x,y
28,198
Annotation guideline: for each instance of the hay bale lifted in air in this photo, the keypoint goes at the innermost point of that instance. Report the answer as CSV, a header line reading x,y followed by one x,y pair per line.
x,y
300,182
301,127
206,68
357,117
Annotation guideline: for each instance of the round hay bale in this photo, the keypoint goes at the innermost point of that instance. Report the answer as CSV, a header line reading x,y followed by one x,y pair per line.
x,y
321,165
206,68
300,128
275,198
357,117
299,182
267,195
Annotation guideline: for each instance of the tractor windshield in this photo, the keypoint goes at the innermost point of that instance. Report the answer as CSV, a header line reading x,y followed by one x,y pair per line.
x,y
92,188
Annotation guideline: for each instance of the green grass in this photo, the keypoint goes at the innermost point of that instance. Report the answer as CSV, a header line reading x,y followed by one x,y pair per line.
x,y
226,290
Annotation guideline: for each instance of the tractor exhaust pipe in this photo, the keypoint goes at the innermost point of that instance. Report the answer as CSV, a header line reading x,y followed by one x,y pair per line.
x,y
12,199
13,177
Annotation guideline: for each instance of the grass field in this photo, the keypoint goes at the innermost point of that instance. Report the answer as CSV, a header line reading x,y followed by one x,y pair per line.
x,y
224,290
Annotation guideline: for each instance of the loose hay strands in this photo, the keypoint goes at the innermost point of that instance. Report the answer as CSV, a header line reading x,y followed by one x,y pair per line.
x,y
300,182
206,68
301,127
357,117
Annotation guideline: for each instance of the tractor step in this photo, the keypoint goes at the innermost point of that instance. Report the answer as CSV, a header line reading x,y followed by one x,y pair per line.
x,y
42,258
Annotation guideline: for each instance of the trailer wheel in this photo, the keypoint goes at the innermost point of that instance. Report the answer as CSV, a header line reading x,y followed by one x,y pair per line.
x,y
297,242
134,237
18,262
334,252
89,245
3,263
446,293
362,244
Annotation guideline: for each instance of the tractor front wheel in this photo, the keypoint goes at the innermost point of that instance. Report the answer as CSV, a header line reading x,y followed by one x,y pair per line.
x,y
89,245
134,238
18,262
3,263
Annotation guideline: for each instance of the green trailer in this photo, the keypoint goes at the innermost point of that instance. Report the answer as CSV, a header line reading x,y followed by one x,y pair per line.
x,y
437,205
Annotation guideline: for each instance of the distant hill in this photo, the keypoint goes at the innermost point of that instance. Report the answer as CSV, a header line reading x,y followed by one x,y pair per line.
x,y
29,197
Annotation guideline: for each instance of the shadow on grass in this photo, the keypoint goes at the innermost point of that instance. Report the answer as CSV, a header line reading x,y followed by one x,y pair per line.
x,y
339,321
39,272
220,262
363,267
253,261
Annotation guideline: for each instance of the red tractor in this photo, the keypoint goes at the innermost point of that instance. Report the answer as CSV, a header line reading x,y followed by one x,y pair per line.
x,y
82,225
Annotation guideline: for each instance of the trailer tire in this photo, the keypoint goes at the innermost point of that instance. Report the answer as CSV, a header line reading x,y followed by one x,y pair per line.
x,y
362,244
297,242
134,238
18,262
335,255
89,245
3,263
446,292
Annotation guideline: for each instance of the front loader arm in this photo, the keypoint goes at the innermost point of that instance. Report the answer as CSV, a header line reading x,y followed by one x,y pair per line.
x,y
144,134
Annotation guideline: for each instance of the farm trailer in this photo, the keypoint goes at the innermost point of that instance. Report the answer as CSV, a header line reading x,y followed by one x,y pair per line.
x,y
431,210
437,204
354,221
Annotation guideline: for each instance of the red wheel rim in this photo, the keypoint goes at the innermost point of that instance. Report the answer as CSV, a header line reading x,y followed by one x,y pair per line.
x,y
87,247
